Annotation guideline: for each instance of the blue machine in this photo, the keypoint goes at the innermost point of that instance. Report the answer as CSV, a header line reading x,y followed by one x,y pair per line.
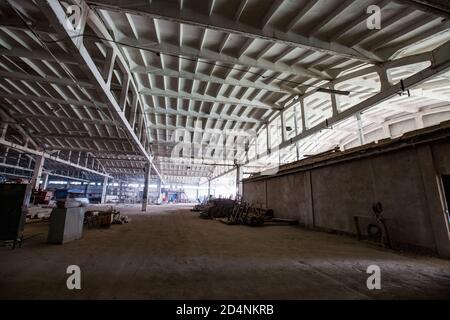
x,y
63,194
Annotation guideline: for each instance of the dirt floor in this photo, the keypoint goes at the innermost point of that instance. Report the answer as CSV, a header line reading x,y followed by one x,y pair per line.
x,y
170,253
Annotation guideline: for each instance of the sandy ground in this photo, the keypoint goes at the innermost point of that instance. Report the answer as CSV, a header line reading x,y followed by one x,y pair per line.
x,y
170,253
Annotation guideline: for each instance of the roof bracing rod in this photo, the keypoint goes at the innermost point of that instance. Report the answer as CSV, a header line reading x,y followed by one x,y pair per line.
x,y
56,15
44,171
49,156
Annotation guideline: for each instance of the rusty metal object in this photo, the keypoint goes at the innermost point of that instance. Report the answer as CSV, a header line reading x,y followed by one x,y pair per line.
x,y
234,212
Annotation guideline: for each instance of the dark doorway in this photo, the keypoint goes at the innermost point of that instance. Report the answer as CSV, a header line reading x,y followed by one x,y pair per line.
x,y
446,185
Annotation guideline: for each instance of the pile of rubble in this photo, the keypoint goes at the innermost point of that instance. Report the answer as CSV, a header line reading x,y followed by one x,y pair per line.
x,y
104,218
244,213
238,212
216,208
38,213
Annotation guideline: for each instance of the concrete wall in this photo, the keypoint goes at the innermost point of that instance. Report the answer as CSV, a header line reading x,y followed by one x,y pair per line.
x,y
328,196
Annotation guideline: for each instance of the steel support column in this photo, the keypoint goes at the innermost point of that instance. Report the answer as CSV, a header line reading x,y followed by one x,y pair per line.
x,y
360,129
104,189
45,177
120,191
146,183
37,173
238,181
86,187
38,166
158,190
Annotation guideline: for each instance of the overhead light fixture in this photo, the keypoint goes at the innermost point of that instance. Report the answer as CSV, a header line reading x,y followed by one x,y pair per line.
x,y
404,90
288,128
333,91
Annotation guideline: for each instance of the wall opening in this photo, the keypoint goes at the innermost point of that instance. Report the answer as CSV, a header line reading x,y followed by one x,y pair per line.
x,y
446,189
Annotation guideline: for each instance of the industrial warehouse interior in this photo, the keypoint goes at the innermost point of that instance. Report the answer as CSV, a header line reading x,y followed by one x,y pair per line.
x,y
224,150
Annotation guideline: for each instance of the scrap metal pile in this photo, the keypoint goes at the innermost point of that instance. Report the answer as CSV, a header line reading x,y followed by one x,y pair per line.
x,y
244,213
215,208
238,212
99,218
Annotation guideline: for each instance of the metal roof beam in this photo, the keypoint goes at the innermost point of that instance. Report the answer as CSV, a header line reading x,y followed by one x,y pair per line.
x,y
214,116
437,7
208,98
58,19
212,79
51,157
63,119
168,12
165,48
440,63
37,55
48,79
95,151
80,103
81,137
227,132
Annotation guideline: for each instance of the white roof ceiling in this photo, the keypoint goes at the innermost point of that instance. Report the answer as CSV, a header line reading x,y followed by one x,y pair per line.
x,y
205,70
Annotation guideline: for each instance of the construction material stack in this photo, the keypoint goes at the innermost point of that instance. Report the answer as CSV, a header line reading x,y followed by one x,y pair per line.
x,y
234,212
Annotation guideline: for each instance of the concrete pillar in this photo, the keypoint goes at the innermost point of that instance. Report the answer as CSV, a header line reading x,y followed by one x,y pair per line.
x,y
146,182
45,181
360,129
296,131
120,191
105,188
334,102
334,105
303,112
283,127
37,172
209,187
435,202
239,176
256,146
387,130
158,190
86,186
279,157
3,129
419,122
34,183
309,197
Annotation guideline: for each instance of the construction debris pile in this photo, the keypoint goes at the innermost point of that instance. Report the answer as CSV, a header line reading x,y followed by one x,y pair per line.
x,y
215,208
244,213
38,213
104,218
238,212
